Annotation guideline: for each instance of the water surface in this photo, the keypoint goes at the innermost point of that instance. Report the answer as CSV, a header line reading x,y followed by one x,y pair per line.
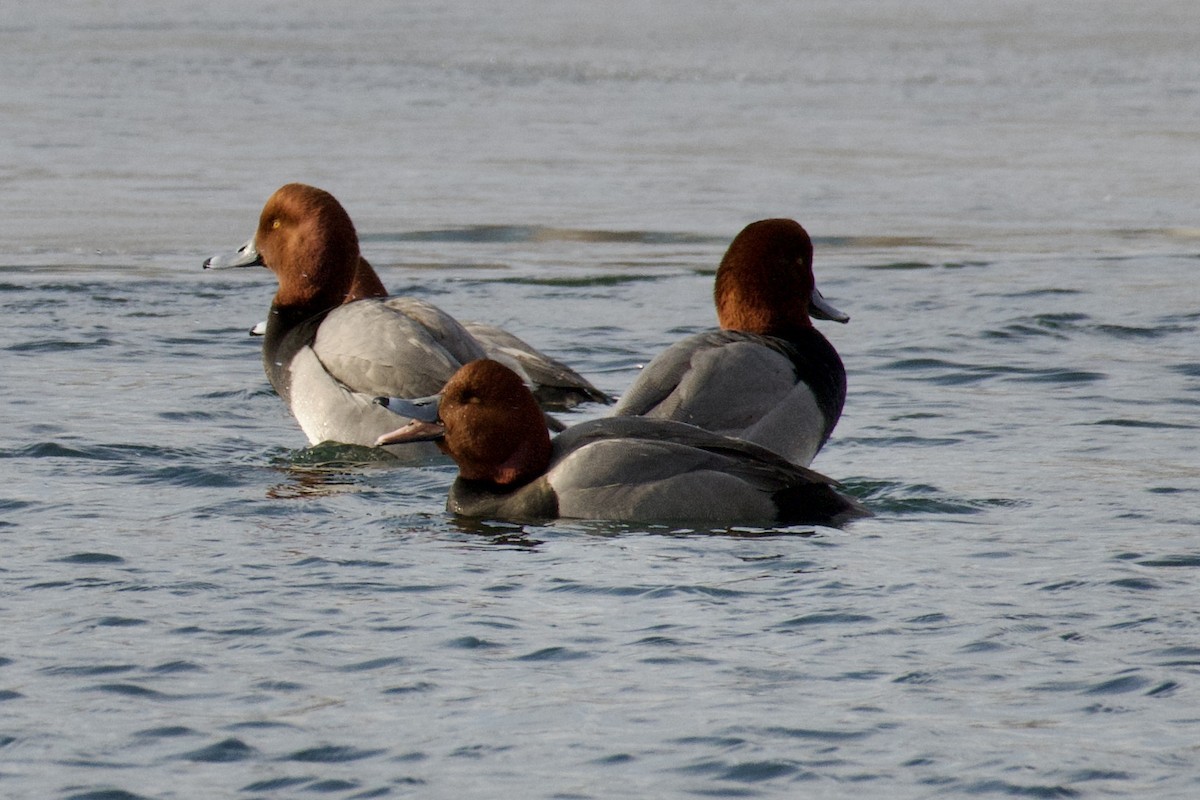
x,y
1002,198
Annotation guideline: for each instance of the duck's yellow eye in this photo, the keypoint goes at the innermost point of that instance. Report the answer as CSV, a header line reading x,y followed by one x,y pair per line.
x,y
275,224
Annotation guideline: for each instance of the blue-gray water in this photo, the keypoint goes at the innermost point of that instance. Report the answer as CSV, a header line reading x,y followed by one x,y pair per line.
x,y
1002,196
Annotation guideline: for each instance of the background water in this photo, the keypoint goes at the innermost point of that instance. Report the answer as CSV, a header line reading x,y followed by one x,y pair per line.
x,y
1002,196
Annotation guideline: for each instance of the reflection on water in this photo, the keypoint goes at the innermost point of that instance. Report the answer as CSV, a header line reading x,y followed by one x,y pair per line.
x,y
308,482
332,468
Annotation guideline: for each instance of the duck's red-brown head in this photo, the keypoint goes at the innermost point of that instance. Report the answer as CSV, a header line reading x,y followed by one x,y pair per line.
x,y
489,423
765,282
307,239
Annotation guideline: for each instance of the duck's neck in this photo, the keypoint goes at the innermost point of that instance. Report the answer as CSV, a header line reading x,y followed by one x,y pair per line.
x,y
288,330
526,461
763,319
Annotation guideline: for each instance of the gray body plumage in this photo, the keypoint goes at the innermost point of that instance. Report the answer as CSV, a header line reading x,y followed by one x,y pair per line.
x,y
636,469
785,394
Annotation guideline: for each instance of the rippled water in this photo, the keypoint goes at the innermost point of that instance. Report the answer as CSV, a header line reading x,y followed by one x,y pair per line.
x,y
1002,198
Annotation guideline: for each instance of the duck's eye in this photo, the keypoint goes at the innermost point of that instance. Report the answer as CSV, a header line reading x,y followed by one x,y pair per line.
x,y
466,397
275,224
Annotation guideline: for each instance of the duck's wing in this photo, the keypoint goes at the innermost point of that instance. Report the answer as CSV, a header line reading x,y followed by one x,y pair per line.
x,y
637,468
376,349
722,381
447,331
554,384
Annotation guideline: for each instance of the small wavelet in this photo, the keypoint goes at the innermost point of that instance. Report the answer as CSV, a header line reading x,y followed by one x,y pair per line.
x,y
130,690
1135,332
1125,422
894,497
1181,656
616,759
999,787
412,688
91,558
41,346
578,281
1062,586
940,372
176,668
276,784
1190,369
1051,375
722,742
555,654
119,622
375,663
8,505
663,641
915,678
1135,584
226,751
88,669
106,794
316,561
1182,560
279,686
901,266
55,450
745,772
826,618
817,734
331,754
332,785
1122,684
473,643
574,587
522,234
166,732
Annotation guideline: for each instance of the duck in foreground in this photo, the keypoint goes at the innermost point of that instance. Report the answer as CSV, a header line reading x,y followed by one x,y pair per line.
x,y
767,376
628,469
334,341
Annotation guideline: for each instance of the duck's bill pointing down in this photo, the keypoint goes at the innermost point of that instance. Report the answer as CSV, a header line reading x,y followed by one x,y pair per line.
x,y
423,413
415,431
821,308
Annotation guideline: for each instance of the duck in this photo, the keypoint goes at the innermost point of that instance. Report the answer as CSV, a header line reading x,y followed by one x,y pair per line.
x,y
556,386
766,375
334,339
624,469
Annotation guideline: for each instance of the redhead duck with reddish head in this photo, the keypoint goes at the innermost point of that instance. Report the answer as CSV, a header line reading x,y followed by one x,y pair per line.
x,y
630,469
767,376
333,339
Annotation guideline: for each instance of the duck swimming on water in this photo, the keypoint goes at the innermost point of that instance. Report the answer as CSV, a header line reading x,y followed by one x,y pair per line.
x,y
767,375
632,469
334,341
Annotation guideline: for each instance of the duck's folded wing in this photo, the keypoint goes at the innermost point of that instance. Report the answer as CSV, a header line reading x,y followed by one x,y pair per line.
x,y
377,350
554,383
719,380
447,331
749,457
638,468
